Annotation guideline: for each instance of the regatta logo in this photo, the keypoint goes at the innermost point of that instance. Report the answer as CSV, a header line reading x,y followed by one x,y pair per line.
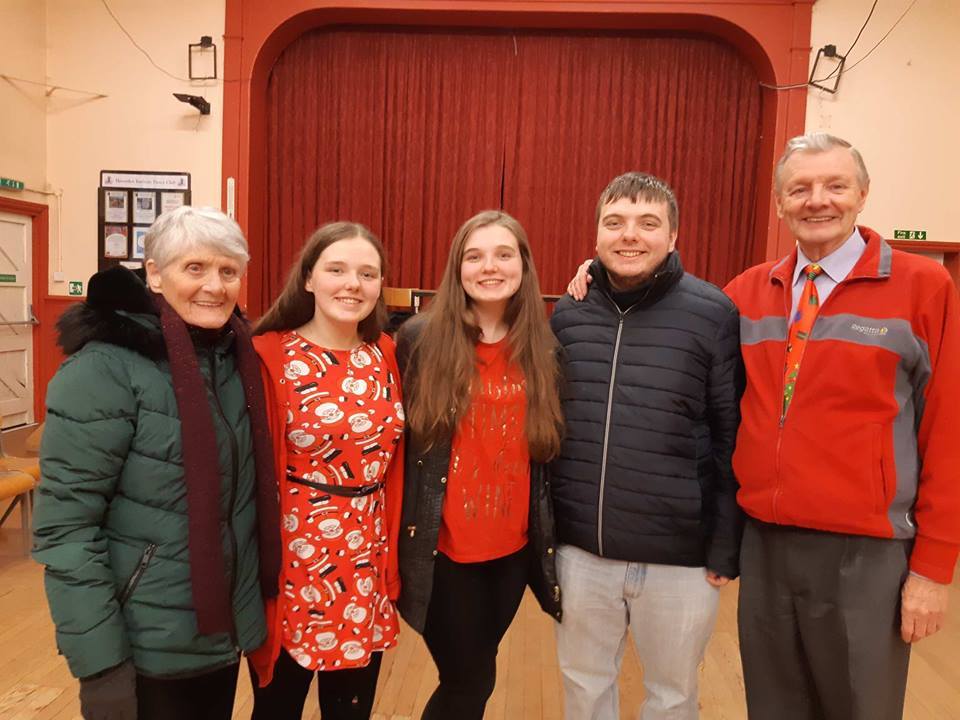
x,y
872,331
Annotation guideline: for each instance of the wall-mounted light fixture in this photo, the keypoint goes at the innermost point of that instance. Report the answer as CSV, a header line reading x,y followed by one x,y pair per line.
x,y
828,51
198,102
201,48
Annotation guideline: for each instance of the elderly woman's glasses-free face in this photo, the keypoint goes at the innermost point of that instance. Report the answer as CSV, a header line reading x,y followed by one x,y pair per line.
x,y
201,287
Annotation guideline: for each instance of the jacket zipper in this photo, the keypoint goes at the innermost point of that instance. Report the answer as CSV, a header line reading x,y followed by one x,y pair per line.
x,y
777,488
606,426
141,568
234,480
412,525
606,435
788,300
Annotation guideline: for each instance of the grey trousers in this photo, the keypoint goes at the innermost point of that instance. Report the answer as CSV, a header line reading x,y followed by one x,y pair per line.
x,y
819,619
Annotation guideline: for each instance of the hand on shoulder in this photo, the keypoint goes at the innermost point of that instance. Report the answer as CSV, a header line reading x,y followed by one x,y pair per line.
x,y
577,287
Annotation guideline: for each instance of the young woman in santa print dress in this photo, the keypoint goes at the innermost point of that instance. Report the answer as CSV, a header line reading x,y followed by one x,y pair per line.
x,y
337,423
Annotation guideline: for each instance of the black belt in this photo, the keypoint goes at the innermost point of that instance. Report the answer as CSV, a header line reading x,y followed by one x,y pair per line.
x,y
351,491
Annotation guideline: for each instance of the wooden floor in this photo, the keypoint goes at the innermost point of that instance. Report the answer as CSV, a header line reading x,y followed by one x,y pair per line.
x,y
35,684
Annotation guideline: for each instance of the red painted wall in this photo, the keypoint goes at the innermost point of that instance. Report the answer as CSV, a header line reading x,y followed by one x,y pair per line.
x,y
47,353
774,35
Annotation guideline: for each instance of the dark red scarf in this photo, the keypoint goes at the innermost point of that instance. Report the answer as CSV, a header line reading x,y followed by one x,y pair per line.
x,y
208,577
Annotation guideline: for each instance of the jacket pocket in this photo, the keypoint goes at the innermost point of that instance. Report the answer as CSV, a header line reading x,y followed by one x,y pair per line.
x,y
138,572
885,471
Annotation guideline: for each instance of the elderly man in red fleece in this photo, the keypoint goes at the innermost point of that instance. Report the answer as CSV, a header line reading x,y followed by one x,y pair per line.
x,y
846,455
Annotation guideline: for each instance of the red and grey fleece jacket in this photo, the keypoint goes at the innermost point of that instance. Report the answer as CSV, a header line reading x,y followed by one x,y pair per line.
x,y
869,444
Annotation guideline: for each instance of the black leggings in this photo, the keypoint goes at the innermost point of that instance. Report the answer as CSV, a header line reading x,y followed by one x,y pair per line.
x,y
343,694
202,697
471,607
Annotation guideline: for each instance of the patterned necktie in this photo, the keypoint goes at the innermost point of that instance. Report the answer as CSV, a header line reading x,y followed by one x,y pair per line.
x,y
800,328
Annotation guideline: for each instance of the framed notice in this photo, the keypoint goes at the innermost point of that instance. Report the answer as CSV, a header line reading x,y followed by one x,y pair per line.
x,y
128,203
116,207
115,241
171,201
139,233
144,206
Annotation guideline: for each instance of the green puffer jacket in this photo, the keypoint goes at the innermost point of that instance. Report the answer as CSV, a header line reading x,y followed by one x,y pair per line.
x,y
111,513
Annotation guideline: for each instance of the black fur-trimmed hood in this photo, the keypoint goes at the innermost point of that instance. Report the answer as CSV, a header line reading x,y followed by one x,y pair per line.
x,y
118,310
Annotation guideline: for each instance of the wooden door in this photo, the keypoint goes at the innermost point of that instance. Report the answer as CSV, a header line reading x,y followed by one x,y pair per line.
x,y
16,320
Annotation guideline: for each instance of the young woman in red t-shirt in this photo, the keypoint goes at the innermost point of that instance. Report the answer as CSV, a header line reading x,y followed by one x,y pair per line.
x,y
483,414
337,422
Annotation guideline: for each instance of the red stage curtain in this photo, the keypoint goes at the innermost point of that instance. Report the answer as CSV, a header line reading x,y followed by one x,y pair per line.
x,y
590,108
411,132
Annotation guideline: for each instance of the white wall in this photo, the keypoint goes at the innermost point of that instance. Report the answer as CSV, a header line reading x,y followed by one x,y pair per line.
x,y
23,136
139,125
900,108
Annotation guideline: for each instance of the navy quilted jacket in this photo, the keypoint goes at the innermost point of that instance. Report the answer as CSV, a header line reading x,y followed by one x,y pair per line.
x,y
651,403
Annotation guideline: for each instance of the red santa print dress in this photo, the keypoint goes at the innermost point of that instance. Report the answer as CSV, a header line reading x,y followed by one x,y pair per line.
x,y
343,423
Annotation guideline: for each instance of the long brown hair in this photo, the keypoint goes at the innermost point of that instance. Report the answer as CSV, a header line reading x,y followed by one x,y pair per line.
x,y
295,306
438,381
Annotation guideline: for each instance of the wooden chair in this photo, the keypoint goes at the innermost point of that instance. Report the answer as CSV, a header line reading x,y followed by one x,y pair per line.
x,y
18,487
32,442
407,300
19,477
29,464
398,298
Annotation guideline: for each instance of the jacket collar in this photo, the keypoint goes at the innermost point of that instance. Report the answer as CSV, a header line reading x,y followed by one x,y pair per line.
x,y
875,263
651,289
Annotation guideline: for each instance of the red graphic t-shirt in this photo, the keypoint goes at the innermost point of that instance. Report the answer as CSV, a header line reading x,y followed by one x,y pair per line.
x,y
485,510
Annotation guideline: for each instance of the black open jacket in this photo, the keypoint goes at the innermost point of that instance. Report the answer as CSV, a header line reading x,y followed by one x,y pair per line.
x,y
424,485
651,405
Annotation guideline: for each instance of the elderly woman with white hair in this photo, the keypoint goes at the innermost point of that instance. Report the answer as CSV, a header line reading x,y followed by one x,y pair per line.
x,y
156,516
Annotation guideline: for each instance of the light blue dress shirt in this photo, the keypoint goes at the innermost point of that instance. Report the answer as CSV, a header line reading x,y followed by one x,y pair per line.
x,y
836,266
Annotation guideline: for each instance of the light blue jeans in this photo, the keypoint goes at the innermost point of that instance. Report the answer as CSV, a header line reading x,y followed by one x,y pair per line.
x,y
670,612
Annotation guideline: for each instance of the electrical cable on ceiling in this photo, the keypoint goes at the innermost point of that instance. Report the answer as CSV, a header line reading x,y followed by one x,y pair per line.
x,y
902,16
852,45
862,27
834,71
138,47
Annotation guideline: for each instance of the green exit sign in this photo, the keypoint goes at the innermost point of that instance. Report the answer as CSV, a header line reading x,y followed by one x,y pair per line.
x,y
9,184
75,287
909,234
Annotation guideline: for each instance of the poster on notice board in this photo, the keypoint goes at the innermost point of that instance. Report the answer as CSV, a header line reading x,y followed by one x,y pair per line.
x,y
128,202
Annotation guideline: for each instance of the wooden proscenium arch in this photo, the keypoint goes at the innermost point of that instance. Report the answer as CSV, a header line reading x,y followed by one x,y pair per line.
x,y
773,35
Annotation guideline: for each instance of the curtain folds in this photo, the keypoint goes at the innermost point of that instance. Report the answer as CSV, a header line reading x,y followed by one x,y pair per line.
x,y
412,132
